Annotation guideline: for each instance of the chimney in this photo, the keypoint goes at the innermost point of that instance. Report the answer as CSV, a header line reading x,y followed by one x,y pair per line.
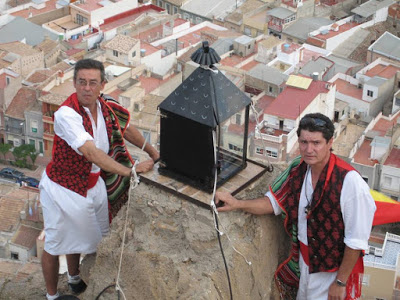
x,y
315,76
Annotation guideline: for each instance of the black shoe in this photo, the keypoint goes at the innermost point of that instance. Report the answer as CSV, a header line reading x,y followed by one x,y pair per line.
x,y
77,288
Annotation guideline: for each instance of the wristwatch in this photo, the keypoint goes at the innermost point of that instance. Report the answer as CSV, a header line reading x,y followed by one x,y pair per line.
x,y
340,283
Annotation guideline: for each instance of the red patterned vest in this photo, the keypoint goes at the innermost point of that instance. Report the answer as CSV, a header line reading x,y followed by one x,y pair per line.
x,y
68,168
325,226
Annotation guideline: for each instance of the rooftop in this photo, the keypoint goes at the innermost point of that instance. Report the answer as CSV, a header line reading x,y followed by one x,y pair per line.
x,y
388,45
24,98
268,74
280,13
367,9
50,5
26,237
303,26
292,101
121,43
390,252
384,71
324,35
393,160
348,89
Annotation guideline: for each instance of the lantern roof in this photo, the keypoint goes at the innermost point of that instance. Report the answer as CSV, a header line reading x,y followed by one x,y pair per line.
x,y
207,96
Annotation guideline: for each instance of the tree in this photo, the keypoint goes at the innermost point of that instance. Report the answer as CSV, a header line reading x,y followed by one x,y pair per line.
x,y
4,149
21,154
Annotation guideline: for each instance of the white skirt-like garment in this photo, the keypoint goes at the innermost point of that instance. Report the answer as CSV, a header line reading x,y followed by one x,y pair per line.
x,y
72,223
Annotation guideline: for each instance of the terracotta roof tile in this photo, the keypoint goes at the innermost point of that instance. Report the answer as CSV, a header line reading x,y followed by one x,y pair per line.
x,y
393,159
25,13
26,236
348,89
19,48
24,98
10,209
121,43
292,101
363,153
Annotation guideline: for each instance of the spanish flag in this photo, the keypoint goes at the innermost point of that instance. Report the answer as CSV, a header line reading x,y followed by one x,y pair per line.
x,y
387,209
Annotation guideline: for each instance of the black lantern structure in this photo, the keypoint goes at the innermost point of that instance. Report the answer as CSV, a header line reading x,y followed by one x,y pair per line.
x,y
205,118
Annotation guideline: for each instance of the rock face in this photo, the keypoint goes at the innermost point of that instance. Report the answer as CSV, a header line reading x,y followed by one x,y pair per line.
x,y
172,251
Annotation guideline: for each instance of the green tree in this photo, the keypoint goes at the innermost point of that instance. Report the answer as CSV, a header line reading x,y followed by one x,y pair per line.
x,y
21,154
4,149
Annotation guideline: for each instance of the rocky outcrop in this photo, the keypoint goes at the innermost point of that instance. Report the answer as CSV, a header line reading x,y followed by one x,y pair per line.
x,y
172,251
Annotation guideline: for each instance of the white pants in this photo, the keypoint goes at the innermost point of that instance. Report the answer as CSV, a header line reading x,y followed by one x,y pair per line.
x,y
72,223
314,286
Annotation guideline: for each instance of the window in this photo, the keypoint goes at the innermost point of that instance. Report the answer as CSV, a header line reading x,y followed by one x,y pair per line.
x,y
270,89
168,7
260,150
136,107
175,10
247,31
133,53
235,148
81,19
115,53
238,119
34,126
248,47
271,152
370,93
14,255
160,3
31,142
8,80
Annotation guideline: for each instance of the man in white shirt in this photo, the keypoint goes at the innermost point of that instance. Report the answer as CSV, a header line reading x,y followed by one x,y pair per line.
x,y
89,133
328,212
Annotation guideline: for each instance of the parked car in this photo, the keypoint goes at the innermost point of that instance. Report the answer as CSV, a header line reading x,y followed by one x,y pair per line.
x,y
30,181
12,174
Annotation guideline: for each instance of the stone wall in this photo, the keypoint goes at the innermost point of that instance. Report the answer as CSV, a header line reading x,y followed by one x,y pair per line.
x,y
172,251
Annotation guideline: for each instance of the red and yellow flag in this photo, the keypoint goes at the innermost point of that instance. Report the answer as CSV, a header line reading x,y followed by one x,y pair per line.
x,y
387,209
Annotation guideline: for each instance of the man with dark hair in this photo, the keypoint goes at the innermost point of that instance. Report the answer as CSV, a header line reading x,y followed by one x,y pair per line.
x,y
328,212
90,163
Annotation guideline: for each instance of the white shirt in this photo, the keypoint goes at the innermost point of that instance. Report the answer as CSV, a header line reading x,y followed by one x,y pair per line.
x,y
358,208
73,223
68,125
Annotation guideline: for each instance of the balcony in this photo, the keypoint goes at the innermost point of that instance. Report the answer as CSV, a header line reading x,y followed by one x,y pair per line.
x,y
48,117
48,136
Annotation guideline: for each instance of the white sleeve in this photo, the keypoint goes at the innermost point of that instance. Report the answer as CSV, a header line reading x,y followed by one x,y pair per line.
x,y
68,125
358,209
274,203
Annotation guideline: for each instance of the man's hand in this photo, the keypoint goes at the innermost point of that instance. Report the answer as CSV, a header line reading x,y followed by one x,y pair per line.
x,y
336,292
226,202
145,166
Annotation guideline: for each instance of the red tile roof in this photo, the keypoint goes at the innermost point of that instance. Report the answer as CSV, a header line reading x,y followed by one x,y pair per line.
x,y
26,236
332,33
384,71
348,89
292,101
10,209
393,159
250,65
363,153
50,6
24,98
150,83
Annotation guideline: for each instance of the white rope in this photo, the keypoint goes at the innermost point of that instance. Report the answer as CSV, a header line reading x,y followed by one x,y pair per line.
x,y
134,182
214,207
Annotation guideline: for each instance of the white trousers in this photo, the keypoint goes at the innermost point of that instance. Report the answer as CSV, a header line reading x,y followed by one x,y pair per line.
x,y
314,286
72,223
